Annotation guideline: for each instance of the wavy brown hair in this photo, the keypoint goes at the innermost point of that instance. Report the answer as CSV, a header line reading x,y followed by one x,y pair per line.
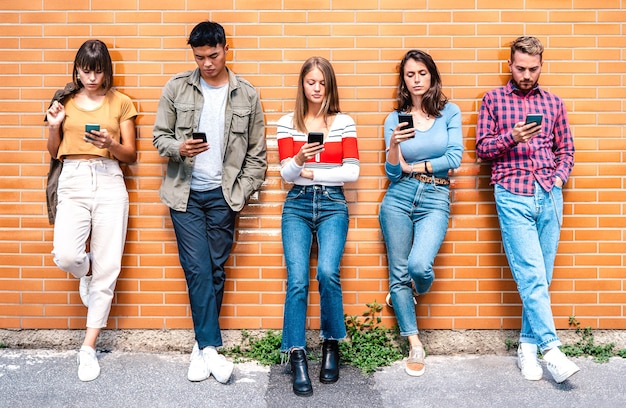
x,y
433,100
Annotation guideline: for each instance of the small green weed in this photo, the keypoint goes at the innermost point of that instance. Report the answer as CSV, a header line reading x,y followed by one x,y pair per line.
x,y
511,344
586,346
369,344
264,349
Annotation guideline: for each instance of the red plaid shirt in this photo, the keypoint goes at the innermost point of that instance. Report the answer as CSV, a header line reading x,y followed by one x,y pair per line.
x,y
547,155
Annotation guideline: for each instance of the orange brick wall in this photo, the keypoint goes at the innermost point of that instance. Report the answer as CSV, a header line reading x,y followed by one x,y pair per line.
x,y
365,40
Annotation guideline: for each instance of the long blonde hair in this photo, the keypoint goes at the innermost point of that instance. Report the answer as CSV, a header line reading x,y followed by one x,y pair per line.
x,y
330,103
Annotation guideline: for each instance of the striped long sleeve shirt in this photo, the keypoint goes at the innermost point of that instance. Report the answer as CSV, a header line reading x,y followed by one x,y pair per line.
x,y
338,163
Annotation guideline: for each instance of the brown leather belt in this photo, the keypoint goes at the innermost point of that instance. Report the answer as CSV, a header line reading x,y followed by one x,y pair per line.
x,y
430,179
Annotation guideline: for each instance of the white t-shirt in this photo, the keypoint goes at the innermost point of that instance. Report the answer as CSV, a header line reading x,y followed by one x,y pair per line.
x,y
207,167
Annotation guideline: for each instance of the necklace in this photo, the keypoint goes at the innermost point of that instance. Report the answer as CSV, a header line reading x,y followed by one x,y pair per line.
x,y
420,117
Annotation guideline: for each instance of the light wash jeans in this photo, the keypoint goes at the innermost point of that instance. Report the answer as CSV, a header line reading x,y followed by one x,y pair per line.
x,y
530,227
323,212
93,204
414,220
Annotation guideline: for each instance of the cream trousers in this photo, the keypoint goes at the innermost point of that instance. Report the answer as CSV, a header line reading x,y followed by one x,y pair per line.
x,y
93,205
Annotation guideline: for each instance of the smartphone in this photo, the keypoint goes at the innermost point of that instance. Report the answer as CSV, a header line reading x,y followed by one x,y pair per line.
x,y
200,135
89,127
316,137
534,118
406,117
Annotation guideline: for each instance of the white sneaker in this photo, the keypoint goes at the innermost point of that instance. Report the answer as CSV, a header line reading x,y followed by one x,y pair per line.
x,y
559,365
221,368
83,289
528,362
88,367
198,368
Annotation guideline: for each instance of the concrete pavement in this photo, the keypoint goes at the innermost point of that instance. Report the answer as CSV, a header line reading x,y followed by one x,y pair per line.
x,y
47,378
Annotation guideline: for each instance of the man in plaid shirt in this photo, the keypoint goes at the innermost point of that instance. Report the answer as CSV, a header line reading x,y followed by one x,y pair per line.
x,y
530,163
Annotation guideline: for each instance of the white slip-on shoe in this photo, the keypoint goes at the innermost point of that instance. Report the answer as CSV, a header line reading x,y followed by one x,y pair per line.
x,y
528,362
198,368
414,365
221,368
88,367
83,289
390,303
559,365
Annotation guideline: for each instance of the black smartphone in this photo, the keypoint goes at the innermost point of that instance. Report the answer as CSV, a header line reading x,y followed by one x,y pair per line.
x,y
534,118
89,127
316,137
199,135
406,117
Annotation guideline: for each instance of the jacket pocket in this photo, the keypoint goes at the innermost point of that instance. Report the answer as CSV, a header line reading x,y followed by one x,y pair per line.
x,y
241,118
184,117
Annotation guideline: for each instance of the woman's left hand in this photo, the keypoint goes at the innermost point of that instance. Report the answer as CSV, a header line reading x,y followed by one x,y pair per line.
x,y
307,174
101,139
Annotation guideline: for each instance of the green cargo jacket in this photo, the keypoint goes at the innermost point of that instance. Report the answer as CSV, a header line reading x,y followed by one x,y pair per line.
x,y
244,162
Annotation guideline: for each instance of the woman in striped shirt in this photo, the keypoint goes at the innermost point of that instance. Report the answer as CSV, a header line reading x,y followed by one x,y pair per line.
x,y
315,207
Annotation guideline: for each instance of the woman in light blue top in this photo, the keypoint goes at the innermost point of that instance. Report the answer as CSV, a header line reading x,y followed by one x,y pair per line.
x,y
415,210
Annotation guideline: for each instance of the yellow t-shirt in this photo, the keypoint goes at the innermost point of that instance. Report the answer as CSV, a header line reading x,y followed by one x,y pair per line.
x,y
115,109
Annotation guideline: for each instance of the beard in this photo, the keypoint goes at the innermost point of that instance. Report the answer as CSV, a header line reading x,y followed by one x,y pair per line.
x,y
525,86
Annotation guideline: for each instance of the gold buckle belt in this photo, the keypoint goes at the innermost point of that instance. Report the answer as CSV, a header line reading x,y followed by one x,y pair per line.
x,y
430,179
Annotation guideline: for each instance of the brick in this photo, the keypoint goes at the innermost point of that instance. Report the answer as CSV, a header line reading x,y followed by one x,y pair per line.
x,y
364,42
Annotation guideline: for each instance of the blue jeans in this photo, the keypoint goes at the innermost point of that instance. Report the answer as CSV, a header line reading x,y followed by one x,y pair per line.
x,y
204,234
414,220
530,227
322,211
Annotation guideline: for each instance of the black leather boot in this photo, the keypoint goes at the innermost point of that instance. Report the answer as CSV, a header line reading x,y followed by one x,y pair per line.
x,y
329,373
300,373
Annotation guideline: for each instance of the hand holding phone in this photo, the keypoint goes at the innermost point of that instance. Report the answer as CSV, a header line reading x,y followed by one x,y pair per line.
x,y
199,136
534,118
89,127
407,118
316,137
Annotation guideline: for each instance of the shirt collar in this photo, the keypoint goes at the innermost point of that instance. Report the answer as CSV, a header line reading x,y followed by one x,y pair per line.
x,y
511,88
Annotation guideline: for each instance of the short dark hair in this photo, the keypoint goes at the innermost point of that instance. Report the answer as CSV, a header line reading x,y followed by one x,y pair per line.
x,y
207,33
93,55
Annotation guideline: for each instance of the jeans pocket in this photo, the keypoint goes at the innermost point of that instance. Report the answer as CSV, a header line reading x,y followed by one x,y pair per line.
x,y
294,194
335,196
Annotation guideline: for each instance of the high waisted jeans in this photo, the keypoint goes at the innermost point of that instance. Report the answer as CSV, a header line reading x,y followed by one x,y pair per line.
x,y
530,227
414,220
322,211
92,201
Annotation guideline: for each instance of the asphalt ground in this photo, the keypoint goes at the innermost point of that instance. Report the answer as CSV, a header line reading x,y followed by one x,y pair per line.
x,y
47,378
